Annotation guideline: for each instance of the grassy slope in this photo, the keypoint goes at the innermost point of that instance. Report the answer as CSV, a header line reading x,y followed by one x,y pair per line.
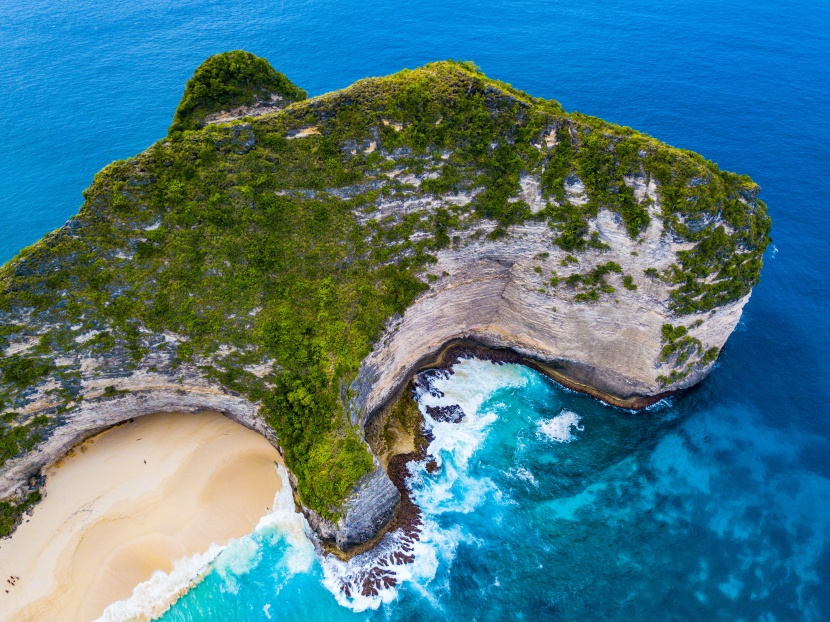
x,y
227,236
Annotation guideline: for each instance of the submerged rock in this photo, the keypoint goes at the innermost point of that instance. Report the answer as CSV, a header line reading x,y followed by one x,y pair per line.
x,y
446,414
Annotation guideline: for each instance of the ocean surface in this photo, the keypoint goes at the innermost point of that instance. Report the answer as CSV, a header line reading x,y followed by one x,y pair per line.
x,y
714,505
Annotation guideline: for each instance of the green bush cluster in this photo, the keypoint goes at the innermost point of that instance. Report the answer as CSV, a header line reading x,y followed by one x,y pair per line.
x,y
12,510
15,439
686,350
679,343
710,356
671,333
733,259
571,225
226,81
23,371
719,212
600,157
675,376
560,164
593,283
652,273
693,192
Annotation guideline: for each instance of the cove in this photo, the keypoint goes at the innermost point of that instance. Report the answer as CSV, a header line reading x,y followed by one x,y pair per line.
x,y
549,506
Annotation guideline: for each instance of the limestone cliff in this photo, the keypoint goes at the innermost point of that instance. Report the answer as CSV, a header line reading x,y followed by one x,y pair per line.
x,y
294,268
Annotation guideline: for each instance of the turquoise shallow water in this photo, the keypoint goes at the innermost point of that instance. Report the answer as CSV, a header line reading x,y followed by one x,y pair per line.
x,y
549,506
714,506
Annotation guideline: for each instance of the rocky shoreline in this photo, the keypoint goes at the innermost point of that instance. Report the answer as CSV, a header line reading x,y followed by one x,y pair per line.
x,y
404,529
406,518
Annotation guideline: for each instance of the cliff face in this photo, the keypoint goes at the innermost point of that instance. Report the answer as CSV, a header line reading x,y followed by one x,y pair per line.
x,y
294,270
494,294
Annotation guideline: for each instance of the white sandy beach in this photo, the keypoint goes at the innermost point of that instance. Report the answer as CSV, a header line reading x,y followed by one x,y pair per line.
x,y
129,502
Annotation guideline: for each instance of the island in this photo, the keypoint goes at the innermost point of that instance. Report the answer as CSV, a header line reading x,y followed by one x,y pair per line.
x,y
293,262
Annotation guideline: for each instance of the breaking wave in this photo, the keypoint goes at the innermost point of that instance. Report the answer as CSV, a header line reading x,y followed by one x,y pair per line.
x,y
559,428
152,598
401,558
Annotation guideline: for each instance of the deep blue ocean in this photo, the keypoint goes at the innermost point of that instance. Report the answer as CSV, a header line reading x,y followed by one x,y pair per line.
x,y
714,505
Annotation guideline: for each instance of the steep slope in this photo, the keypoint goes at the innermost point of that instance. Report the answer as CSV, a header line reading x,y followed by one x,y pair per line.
x,y
295,269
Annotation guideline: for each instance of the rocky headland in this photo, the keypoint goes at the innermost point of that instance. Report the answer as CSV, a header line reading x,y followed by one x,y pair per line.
x,y
293,263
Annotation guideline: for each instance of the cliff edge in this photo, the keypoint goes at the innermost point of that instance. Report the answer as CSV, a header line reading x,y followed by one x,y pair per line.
x,y
293,262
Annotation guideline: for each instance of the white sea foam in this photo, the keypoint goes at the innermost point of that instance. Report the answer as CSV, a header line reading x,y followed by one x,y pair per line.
x,y
285,522
452,489
153,597
523,474
472,382
559,428
387,573
346,579
666,402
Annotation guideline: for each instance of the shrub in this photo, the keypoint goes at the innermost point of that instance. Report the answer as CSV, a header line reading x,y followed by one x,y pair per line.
x,y
24,371
226,81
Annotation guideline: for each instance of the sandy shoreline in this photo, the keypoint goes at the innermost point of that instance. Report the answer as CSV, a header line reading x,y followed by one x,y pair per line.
x,y
129,502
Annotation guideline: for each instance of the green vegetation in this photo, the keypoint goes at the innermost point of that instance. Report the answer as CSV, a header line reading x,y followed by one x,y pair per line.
x,y
600,159
593,283
12,510
683,350
695,196
652,273
673,333
250,247
226,81
732,259
674,376
560,164
571,223
23,371
710,356
678,342
15,439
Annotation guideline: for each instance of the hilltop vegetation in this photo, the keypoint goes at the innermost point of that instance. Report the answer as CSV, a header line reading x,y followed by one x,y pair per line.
x,y
227,81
